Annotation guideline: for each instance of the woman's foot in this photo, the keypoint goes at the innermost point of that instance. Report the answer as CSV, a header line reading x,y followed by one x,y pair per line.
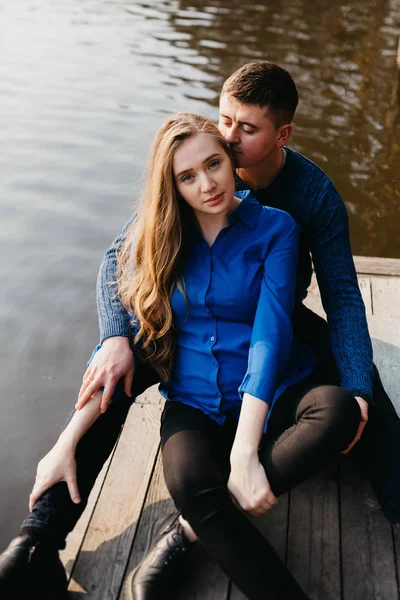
x,y
162,563
33,571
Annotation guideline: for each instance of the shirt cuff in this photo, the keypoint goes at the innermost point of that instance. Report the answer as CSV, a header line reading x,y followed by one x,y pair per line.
x,y
256,385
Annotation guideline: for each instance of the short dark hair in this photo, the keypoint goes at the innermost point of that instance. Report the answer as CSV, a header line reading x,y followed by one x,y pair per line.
x,y
263,83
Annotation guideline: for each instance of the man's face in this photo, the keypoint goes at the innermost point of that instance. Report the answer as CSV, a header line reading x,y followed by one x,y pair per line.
x,y
249,131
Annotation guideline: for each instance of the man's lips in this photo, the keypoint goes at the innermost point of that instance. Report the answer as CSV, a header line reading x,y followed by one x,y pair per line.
x,y
235,149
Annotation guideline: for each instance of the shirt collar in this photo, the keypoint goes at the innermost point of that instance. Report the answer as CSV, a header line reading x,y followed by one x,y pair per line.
x,y
248,211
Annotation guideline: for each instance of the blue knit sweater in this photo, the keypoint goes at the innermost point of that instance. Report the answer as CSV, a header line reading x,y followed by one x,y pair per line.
x,y
304,191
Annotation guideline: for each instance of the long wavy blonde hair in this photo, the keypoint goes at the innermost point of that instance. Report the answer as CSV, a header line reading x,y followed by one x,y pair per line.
x,y
150,259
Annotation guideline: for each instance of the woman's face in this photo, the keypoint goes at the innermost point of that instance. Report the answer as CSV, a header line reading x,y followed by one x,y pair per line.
x,y
204,175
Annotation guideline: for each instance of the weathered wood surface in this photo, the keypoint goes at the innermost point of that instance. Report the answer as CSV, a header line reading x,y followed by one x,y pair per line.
x,y
329,530
368,557
372,265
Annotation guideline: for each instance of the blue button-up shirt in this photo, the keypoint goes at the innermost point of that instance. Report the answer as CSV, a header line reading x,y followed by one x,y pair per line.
x,y
235,331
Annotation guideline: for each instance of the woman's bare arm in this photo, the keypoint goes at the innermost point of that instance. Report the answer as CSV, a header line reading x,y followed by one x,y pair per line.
x,y
59,464
248,482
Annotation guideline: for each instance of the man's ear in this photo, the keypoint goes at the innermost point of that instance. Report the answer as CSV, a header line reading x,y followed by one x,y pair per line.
x,y
284,134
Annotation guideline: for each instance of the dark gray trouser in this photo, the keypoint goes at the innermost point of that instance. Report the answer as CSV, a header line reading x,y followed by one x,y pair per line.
x,y
378,451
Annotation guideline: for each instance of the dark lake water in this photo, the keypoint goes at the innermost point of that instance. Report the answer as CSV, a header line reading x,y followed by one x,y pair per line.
x,y
84,84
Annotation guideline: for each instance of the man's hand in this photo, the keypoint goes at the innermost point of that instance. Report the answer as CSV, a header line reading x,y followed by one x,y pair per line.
x,y
58,465
114,361
363,404
249,485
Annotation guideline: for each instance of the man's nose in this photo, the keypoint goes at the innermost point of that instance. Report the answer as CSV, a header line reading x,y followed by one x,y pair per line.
x,y
232,134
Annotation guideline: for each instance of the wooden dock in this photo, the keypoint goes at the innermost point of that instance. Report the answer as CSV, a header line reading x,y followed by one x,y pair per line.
x,y
330,530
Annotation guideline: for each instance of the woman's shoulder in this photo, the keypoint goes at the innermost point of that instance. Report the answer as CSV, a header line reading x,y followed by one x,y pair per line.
x,y
267,216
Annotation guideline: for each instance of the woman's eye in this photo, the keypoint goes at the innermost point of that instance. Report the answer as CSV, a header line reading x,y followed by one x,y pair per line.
x,y
213,164
185,178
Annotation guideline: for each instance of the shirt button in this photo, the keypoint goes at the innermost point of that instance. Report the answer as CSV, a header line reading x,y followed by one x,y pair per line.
x,y
212,338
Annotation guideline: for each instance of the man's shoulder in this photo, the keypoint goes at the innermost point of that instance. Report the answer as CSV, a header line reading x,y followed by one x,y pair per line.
x,y
311,185
302,162
306,169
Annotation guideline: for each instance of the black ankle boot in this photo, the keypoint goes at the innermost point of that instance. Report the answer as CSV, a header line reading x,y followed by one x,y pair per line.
x,y
32,572
158,568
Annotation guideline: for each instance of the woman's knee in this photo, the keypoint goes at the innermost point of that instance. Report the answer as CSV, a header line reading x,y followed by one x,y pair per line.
x,y
198,496
181,485
186,475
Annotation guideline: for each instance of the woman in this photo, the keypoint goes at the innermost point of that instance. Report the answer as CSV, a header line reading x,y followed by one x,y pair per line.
x,y
209,277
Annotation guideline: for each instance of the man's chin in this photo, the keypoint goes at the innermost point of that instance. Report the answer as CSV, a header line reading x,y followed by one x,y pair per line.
x,y
240,161
241,164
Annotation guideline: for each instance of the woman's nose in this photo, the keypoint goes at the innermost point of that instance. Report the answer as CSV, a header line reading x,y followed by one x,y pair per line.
x,y
207,183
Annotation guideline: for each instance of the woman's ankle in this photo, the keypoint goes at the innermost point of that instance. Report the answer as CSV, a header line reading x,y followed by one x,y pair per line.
x,y
187,530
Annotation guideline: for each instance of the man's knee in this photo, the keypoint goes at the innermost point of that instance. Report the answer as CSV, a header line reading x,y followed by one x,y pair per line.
x,y
336,408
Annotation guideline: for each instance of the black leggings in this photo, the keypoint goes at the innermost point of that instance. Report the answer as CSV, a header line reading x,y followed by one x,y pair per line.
x,y
307,428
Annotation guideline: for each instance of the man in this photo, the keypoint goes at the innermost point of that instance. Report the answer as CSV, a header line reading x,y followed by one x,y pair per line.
x,y
256,109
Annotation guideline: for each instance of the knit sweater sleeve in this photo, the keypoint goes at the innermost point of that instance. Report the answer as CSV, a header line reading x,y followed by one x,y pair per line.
x,y
340,294
113,318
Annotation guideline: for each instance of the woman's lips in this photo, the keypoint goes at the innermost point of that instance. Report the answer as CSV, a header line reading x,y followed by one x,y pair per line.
x,y
215,199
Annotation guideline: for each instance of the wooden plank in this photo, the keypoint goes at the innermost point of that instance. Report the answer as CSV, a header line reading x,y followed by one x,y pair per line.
x,y
75,538
385,335
364,284
372,265
201,577
396,541
274,526
101,563
150,396
313,300
387,359
381,297
386,330
368,560
314,542
386,297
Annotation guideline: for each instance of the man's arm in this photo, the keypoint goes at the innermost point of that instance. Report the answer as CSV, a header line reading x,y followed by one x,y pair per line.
x,y
114,360
113,318
340,294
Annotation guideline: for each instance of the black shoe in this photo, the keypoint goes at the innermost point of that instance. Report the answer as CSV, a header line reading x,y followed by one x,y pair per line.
x,y
31,572
164,560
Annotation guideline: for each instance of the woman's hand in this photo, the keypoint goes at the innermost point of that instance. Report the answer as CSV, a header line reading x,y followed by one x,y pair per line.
x,y
363,404
114,361
58,465
248,483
